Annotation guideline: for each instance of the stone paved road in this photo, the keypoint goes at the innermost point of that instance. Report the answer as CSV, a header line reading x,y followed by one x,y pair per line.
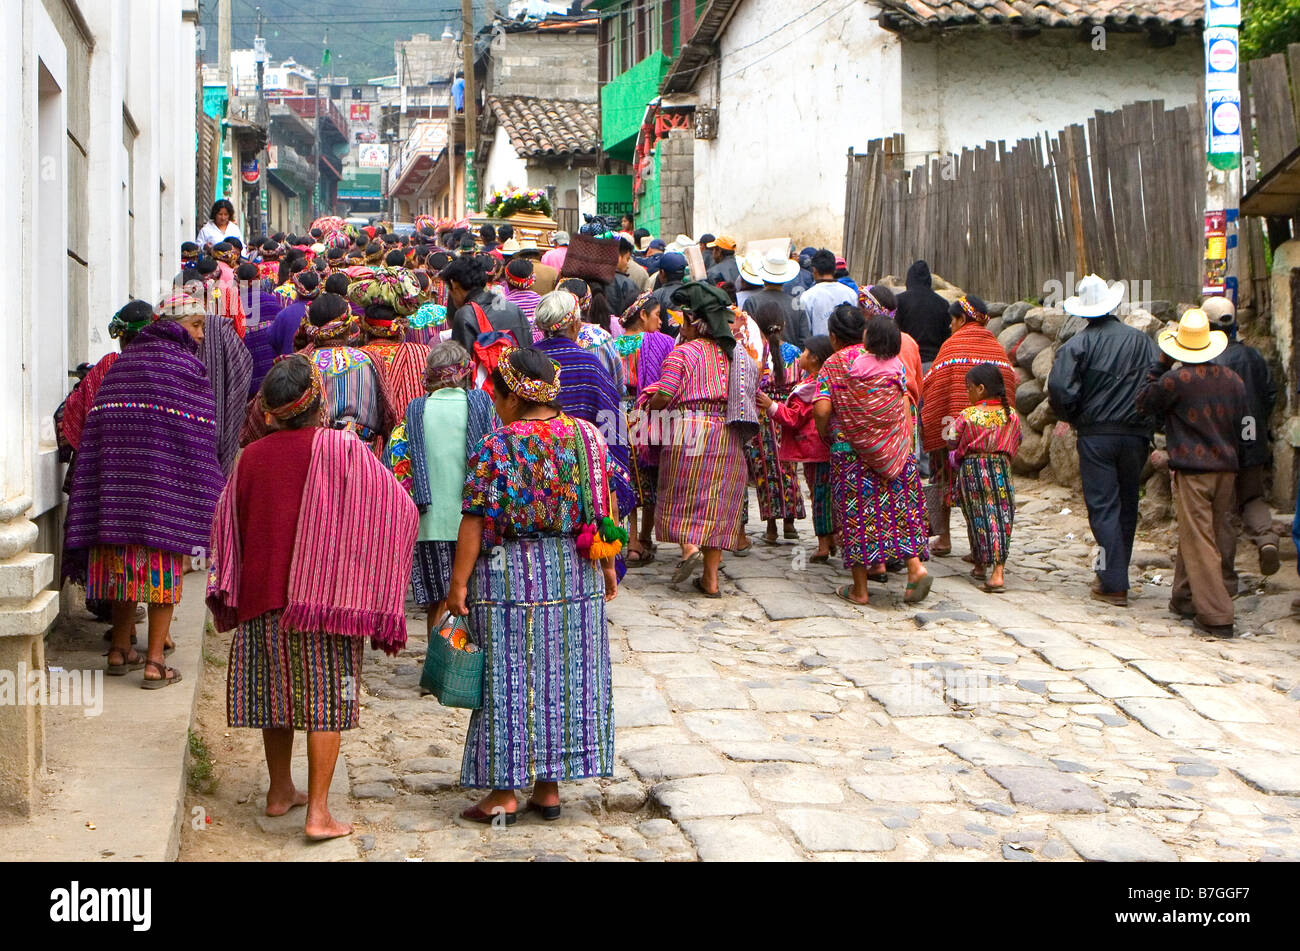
x,y
781,723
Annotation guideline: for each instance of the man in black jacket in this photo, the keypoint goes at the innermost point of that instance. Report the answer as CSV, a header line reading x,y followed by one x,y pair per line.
x,y
465,279
1093,386
923,314
1256,456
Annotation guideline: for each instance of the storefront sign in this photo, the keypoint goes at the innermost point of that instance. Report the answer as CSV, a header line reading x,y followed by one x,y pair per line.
x,y
360,112
372,155
1216,253
250,171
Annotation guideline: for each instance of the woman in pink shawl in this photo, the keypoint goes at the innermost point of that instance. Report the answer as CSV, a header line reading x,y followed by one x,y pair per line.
x,y
311,553
862,411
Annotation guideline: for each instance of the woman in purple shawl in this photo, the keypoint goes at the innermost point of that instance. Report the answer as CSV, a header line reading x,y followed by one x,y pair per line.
x,y
230,368
261,307
587,390
642,348
147,481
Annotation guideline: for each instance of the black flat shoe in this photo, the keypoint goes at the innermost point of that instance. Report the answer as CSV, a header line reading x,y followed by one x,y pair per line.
x,y
549,813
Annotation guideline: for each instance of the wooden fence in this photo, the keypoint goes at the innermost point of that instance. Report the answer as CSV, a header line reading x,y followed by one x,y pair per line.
x,y
1123,196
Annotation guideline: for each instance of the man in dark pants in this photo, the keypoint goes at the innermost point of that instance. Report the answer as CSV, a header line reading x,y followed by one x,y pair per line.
x,y
1093,386
1256,455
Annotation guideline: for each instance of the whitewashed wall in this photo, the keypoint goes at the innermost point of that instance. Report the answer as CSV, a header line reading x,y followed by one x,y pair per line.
x,y
792,103
790,107
970,86
504,168
142,64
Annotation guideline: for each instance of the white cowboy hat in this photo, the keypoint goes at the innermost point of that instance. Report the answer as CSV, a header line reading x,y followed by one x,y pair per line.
x,y
1094,298
777,268
1192,341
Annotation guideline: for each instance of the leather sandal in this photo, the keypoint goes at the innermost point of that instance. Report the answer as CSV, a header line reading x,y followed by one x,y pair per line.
x,y
170,675
549,813
476,814
128,663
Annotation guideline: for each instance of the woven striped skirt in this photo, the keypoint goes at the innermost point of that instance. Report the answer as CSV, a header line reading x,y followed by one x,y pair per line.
x,y
818,477
643,475
777,482
881,519
537,611
431,571
280,680
135,573
988,501
702,484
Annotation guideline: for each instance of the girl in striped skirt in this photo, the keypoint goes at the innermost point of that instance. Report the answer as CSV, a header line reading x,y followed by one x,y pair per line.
x,y
984,438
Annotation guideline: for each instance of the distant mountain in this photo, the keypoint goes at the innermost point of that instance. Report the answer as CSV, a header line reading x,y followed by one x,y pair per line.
x,y
361,32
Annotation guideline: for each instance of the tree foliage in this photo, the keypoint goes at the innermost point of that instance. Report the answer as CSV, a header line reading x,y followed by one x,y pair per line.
x,y
1267,26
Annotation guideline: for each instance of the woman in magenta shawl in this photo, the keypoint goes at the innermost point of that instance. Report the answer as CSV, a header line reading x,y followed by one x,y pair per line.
x,y
311,553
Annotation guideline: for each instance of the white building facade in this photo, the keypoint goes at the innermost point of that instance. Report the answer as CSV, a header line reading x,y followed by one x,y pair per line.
x,y
98,172
791,100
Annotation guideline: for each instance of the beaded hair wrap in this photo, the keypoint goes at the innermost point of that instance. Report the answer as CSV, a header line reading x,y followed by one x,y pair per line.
x,y
520,283
870,306
971,313
299,406
535,391
448,375
341,329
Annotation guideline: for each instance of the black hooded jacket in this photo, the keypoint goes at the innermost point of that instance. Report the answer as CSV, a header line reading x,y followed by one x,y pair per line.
x,y
922,313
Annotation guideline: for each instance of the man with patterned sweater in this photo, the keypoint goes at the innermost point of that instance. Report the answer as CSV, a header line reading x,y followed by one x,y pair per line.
x,y
1203,408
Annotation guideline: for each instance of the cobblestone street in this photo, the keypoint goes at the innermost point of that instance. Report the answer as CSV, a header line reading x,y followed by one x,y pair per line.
x,y
783,723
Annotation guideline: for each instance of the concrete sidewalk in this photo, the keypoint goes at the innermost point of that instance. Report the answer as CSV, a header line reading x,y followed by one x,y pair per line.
x,y
122,771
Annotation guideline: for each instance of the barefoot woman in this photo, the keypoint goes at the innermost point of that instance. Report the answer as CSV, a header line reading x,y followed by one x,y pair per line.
x,y
312,547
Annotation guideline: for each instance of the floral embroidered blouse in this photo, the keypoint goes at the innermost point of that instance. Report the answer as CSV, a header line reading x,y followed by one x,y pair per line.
x,y
984,428
523,479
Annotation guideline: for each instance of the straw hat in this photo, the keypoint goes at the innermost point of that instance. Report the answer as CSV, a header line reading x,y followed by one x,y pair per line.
x,y
750,266
777,268
1094,298
510,247
1192,341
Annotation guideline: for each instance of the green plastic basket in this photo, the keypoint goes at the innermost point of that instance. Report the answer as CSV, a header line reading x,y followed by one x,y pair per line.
x,y
454,676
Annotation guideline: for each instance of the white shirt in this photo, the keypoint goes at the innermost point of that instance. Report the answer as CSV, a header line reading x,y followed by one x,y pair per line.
x,y
820,300
211,234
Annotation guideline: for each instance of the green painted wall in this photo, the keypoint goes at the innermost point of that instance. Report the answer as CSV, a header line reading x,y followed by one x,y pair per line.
x,y
623,102
648,215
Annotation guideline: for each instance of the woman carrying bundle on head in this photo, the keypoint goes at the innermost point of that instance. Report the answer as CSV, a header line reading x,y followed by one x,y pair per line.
x,y
387,299
534,567
311,553
984,438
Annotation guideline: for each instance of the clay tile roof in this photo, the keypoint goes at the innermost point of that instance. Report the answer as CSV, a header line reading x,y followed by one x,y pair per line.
x,y
539,127
1133,14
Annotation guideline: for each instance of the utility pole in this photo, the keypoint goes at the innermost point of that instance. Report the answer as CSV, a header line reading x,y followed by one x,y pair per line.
x,y
318,193
471,106
1223,147
226,186
257,225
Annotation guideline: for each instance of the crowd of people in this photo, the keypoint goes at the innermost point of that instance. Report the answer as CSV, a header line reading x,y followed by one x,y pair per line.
x,y
346,420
